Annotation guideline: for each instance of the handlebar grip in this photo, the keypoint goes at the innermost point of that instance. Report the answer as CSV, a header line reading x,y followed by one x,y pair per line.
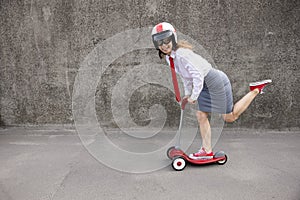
x,y
183,103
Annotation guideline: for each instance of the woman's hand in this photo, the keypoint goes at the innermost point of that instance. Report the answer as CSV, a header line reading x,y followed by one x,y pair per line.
x,y
185,97
191,101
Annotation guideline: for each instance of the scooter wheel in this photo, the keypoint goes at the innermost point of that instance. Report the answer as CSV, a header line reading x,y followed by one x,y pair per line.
x,y
169,151
178,163
222,162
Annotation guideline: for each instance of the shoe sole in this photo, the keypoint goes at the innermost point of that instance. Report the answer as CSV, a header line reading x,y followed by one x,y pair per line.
x,y
201,158
260,82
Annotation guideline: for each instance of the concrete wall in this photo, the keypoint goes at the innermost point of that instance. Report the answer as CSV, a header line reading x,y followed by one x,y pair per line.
x,y
43,42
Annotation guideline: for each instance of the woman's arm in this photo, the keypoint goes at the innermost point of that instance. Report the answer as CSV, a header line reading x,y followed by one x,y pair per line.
x,y
196,79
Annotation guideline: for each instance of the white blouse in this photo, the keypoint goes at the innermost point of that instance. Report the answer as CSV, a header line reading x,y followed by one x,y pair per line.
x,y
192,69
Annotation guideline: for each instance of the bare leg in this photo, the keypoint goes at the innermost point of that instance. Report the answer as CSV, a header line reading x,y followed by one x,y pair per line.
x,y
205,130
241,106
238,109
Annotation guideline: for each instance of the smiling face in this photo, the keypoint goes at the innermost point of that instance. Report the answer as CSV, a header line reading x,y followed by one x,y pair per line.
x,y
166,48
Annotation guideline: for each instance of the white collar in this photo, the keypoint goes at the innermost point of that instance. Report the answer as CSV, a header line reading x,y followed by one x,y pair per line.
x,y
172,55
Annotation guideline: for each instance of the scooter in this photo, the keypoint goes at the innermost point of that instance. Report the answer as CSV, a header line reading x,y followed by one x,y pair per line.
x,y
180,159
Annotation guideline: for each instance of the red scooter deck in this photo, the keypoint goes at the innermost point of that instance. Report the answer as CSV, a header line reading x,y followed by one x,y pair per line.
x,y
180,158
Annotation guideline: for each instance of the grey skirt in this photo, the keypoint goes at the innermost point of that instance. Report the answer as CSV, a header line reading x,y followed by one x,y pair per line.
x,y
216,95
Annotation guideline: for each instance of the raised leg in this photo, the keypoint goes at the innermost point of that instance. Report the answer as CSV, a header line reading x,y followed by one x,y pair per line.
x,y
241,106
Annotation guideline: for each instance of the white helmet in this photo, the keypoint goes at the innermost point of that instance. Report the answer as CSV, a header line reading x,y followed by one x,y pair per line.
x,y
161,31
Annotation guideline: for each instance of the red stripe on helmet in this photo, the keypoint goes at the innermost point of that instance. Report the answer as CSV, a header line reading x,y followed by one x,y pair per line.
x,y
159,28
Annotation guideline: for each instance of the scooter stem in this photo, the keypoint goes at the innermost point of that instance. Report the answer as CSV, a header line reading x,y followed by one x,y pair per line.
x,y
182,106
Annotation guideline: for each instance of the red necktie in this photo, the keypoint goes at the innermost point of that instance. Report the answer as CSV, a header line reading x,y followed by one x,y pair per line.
x,y
175,83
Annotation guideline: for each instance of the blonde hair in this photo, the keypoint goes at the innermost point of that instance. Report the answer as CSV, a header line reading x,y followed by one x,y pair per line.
x,y
184,44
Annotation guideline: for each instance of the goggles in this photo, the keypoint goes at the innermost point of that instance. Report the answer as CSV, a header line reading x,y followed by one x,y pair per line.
x,y
164,41
161,38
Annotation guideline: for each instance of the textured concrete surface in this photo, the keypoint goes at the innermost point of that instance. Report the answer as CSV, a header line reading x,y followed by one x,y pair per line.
x,y
44,42
51,163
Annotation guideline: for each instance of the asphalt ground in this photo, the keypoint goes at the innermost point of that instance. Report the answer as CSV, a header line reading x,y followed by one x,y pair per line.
x,y
52,163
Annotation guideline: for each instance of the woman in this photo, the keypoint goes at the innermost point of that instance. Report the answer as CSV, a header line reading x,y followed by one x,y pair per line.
x,y
210,87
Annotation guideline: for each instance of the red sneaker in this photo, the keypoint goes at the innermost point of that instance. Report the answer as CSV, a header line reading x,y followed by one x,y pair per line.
x,y
260,85
202,154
